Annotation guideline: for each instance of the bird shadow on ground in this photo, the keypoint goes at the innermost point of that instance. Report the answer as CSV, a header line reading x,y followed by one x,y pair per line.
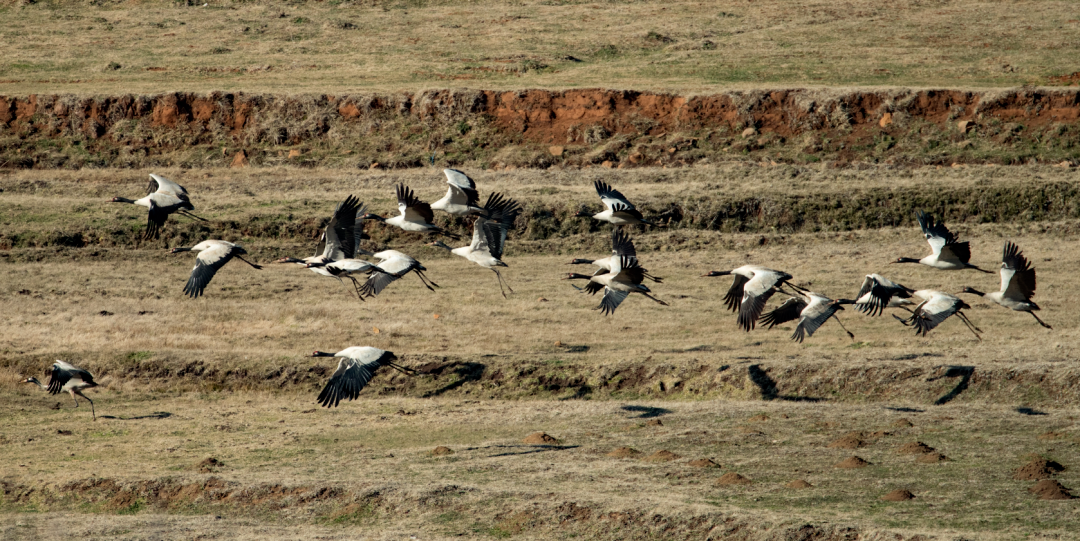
x,y
646,411
768,387
1030,411
963,372
529,449
155,415
466,372
905,410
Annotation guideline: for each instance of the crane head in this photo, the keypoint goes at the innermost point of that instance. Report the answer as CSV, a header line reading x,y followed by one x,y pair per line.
x,y
716,273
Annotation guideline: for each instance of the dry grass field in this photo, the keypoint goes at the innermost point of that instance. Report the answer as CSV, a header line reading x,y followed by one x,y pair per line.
x,y
688,46
535,416
227,376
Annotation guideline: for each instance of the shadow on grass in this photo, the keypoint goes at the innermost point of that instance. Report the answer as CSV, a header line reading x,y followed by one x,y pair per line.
x,y
962,372
527,449
646,412
1030,411
768,387
466,373
155,415
905,410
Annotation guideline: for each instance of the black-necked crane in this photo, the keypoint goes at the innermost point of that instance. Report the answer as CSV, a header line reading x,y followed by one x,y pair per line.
x,y
624,278
618,210
461,197
213,254
346,268
489,236
393,265
621,245
164,197
416,215
340,238
750,290
70,378
1017,284
948,254
937,306
811,309
878,293
357,366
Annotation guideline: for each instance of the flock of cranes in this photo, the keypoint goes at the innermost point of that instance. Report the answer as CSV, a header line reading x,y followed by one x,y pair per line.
x,y
618,275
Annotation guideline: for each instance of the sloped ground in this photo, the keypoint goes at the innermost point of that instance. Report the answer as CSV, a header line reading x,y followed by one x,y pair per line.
x,y
484,129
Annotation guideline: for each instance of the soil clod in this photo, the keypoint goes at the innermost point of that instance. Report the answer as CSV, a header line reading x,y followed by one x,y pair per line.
x,y
210,465
1038,468
903,423
799,483
442,450
704,463
901,495
733,478
540,438
624,452
931,458
1049,489
915,448
662,455
851,462
851,440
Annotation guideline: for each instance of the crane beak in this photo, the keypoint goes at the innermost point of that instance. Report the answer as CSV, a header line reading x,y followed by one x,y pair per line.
x,y
178,250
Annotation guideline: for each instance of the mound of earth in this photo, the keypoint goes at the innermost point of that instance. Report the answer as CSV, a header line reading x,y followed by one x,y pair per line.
x,y
733,478
1038,468
540,438
799,483
1050,435
1049,489
624,452
851,440
931,458
901,495
704,463
851,462
759,418
210,465
903,423
915,448
662,455
654,422
442,450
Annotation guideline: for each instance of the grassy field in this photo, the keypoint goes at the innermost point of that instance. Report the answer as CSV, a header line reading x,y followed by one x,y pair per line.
x,y
689,46
227,377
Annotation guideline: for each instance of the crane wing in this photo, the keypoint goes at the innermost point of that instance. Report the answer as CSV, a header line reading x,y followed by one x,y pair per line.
x,y
155,220
207,264
610,196
347,381
936,234
1017,276
413,209
735,293
339,236
814,316
60,374
932,312
621,244
161,184
612,299
790,310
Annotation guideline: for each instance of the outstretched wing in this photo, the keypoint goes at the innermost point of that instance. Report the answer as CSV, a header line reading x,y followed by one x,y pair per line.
x,y
339,237
462,189
621,244
413,209
207,264
610,196
819,312
347,381
1017,276
735,293
59,376
155,220
501,213
612,299
790,310
936,233
161,184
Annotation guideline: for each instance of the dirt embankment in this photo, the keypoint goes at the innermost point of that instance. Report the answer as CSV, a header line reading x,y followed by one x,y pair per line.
x,y
541,516
539,128
1042,385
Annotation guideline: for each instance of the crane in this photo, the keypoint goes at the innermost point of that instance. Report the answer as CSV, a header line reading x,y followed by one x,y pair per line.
x,y
70,378
750,289
213,254
948,252
164,197
1017,284
489,236
357,366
